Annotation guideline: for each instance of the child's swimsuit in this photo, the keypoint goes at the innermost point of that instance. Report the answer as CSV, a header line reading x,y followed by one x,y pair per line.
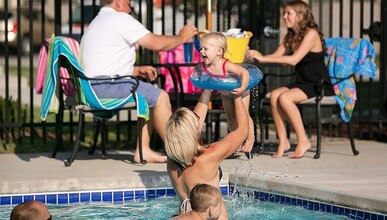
x,y
223,68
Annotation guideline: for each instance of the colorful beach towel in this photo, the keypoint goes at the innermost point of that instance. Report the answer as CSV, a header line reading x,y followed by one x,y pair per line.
x,y
58,48
345,57
67,85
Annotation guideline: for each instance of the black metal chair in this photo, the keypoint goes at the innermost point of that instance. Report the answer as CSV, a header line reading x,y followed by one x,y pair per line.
x,y
87,102
317,103
345,57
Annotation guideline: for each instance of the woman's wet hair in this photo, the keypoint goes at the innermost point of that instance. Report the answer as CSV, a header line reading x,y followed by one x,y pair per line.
x,y
182,138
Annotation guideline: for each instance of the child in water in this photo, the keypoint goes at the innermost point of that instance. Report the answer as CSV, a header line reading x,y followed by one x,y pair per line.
x,y
206,203
213,47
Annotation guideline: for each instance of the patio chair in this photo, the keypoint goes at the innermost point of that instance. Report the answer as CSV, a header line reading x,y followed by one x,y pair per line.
x,y
346,57
60,55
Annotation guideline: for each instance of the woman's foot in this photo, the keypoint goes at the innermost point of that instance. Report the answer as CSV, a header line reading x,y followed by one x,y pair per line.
x,y
150,157
281,149
301,148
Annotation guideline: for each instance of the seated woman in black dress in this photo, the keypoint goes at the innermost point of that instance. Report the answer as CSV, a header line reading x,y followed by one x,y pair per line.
x,y
302,47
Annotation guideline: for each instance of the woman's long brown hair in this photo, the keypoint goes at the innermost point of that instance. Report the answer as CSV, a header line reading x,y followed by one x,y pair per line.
x,y
293,39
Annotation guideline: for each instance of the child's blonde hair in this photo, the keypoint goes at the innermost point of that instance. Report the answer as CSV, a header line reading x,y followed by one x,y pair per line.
x,y
215,39
182,140
203,196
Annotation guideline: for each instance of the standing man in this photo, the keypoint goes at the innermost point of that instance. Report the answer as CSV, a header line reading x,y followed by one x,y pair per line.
x,y
108,48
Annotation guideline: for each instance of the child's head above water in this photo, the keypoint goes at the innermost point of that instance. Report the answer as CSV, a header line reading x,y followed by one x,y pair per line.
x,y
215,39
206,198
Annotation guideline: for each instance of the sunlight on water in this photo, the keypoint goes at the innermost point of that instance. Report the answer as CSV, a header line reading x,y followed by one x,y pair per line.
x,y
239,208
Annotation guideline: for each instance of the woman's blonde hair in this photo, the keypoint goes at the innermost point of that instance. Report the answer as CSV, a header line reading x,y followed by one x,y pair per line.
x,y
292,39
215,39
203,196
182,140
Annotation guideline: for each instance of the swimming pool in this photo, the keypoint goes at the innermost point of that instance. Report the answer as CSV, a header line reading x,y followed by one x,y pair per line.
x,y
162,203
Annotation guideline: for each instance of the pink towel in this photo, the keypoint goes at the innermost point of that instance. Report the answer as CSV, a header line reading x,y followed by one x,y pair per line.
x,y
67,85
177,56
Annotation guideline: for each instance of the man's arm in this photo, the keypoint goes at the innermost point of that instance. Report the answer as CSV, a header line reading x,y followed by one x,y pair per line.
x,y
164,43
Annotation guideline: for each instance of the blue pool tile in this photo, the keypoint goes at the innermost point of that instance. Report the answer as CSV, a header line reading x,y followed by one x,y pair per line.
x,y
171,192
287,200
283,200
323,207
161,192
359,215
150,193
52,198
299,202
316,206
347,212
139,194
63,198
293,201
107,196
129,196
96,197
85,197
224,191
17,200
335,209
264,196
74,198
118,197
41,198
329,208
5,200
310,205
382,217
28,198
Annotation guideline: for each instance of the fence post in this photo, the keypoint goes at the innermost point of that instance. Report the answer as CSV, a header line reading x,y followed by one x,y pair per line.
x,y
383,60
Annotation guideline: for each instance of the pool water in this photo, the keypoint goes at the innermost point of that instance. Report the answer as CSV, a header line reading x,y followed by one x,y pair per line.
x,y
239,208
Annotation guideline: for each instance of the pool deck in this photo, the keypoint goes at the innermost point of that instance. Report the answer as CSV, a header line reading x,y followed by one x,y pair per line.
x,y
337,177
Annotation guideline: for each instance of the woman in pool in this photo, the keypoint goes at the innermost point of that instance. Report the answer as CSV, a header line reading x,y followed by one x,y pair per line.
x,y
189,162
303,47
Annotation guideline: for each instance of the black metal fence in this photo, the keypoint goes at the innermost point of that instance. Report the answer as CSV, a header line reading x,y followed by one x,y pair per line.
x,y
337,18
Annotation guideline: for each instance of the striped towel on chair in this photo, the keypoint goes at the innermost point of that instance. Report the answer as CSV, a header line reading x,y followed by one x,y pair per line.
x,y
58,47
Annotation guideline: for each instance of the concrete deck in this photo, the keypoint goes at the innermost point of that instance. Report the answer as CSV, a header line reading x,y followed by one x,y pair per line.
x,y
337,177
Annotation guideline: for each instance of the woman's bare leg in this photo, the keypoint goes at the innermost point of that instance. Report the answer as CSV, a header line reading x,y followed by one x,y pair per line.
x,y
287,101
279,122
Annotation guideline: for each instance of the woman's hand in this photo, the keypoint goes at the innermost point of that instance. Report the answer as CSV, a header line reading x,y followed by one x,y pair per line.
x,y
252,55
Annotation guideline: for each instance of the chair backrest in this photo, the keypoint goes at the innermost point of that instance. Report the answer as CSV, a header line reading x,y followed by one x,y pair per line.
x,y
60,49
67,85
347,56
